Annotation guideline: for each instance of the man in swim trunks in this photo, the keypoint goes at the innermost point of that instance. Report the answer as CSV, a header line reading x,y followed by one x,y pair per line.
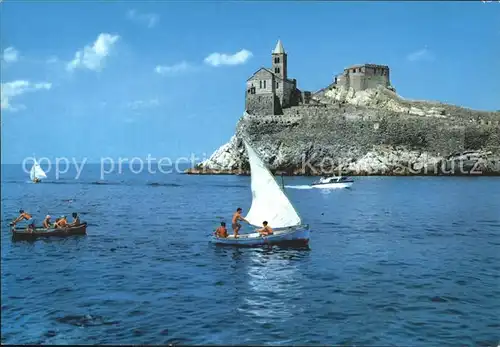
x,y
237,217
266,230
24,216
221,231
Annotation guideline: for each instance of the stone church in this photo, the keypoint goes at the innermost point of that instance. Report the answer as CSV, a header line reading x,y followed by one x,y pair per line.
x,y
269,91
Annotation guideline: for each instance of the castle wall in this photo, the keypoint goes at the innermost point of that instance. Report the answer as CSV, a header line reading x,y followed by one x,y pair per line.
x,y
342,80
273,119
329,126
262,104
361,77
279,90
288,89
357,80
376,76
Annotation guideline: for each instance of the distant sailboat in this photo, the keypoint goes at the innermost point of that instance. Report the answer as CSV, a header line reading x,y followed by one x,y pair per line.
x,y
36,173
269,203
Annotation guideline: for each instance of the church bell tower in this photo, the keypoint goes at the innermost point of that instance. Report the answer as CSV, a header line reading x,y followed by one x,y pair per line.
x,y
279,61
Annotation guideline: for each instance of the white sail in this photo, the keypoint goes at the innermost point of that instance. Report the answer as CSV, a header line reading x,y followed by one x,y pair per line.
x,y
269,202
37,172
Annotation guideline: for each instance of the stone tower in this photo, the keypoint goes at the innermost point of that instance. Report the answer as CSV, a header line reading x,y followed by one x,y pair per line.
x,y
279,61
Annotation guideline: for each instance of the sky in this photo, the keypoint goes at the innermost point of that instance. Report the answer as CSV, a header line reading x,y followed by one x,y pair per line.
x,y
123,79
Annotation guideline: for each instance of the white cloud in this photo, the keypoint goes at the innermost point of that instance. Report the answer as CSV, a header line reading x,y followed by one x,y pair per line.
x,y
148,19
140,104
18,88
10,55
216,59
172,69
93,57
423,54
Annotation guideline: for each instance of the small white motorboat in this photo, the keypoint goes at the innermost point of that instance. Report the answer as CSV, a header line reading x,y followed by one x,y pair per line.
x,y
269,203
333,182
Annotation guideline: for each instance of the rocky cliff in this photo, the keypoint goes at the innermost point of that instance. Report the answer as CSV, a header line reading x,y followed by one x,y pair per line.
x,y
371,132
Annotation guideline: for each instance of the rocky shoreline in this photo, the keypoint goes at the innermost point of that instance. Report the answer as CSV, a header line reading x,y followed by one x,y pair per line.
x,y
369,133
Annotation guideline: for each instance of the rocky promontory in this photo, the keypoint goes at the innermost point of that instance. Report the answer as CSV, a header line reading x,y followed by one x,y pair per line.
x,y
369,132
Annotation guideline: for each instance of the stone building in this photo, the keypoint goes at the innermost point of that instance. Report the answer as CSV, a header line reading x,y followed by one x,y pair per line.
x,y
365,76
269,91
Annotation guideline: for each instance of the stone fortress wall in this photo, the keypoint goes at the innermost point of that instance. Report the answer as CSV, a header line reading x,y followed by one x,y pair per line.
x,y
365,76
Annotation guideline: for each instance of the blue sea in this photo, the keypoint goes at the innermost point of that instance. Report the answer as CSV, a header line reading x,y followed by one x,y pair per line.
x,y
393,261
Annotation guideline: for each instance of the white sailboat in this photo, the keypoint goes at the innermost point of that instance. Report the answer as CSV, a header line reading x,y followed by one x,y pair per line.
x,y
269,203
36,173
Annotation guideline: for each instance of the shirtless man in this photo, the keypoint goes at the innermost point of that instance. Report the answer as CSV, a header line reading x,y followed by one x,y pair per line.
x,y
61,223
266,230
221,231
24,216
237,217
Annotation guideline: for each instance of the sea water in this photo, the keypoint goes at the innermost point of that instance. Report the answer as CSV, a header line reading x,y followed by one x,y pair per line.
x,y
407,261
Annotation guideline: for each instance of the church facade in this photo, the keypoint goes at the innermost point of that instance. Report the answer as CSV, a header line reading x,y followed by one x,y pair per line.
x,y
269,90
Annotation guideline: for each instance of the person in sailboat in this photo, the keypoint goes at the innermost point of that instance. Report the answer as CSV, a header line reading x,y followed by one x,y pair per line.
x,y
221,231
236,218
266,230
76,220
24,216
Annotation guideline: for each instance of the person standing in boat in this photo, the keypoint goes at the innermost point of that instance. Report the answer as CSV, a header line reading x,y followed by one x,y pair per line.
x,y
76,220
24,216
46,222
237,217
266,230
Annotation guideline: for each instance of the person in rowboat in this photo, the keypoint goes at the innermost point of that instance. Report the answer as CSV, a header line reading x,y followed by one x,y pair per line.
x,y
62,222
46,222
222,230
237,217
24,216
76,220
266,230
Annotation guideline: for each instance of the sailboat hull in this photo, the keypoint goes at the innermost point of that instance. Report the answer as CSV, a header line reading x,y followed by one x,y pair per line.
x,y
298,235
